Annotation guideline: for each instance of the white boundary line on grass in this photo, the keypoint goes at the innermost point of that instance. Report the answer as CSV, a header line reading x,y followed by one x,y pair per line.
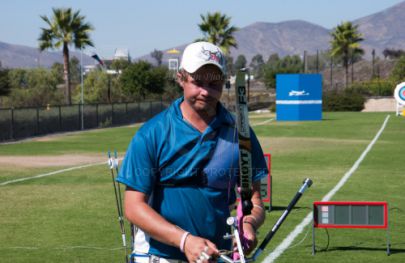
x,y
51,173
263,122
299,228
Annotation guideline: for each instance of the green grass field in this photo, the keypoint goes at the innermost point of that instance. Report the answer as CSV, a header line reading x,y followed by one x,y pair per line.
x,y
71,216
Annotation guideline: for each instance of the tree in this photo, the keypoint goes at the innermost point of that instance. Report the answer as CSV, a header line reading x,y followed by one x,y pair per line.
x,y
393,53
120,64
257,64
217,30
18,78
318,62
100,87
229,65
398,72
345,44
65,28
95,88
5,85
141,79
157,55
74,65
273,59
33,87
240,63
57,69
275,65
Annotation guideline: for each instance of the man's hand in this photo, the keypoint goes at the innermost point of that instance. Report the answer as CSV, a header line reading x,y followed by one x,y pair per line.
x,y
249,237
200,250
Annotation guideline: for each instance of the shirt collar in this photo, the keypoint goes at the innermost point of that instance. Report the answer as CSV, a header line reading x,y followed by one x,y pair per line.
x,y
223,117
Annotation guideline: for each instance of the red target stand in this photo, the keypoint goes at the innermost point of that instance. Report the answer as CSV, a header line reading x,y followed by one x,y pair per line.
x,y
350,214
266,185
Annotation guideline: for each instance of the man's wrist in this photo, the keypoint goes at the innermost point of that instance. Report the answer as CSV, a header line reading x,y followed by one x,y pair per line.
x,y
183,240
251,224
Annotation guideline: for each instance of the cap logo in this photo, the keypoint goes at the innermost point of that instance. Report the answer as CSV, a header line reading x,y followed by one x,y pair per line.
x,y
209,55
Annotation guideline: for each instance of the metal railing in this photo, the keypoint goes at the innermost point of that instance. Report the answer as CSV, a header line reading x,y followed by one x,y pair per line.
x,y
20,123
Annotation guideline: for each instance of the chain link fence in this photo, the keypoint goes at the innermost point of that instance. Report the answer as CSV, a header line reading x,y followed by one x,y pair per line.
x,y
20,123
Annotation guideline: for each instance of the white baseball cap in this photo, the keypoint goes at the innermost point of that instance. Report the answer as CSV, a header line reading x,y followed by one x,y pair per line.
x,y
199,54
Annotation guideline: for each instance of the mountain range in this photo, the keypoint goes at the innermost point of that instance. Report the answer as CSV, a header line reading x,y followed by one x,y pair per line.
x,y
385,29
19,56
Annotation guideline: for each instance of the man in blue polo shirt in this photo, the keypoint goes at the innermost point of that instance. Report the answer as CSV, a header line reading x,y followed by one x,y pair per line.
x,y
181,169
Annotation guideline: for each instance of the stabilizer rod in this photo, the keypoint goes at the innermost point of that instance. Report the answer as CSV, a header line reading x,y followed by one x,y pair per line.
x,y
306,184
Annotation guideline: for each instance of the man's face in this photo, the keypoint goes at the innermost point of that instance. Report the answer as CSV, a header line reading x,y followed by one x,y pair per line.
x,y
203,88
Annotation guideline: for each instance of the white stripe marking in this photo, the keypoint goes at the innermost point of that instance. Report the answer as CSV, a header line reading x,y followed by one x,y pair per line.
x,y
298,102
299,228
263,122
51,173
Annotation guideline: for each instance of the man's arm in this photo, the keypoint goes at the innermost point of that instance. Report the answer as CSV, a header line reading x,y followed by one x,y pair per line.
x,y
253,221
138,211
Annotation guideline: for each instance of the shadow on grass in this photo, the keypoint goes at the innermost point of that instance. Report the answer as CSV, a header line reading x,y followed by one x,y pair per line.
x,y
282,208
357,248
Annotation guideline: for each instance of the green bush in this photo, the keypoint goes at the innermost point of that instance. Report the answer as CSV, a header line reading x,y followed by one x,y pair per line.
x,y
105,124
5,86
141,79
33,87
272,107
347,100
376,87
276,65
398,72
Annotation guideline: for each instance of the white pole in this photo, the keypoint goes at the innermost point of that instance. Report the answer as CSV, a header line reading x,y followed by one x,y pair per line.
x,y
397,109
81,88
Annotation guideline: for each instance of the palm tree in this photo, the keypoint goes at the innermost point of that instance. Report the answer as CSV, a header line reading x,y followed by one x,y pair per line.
x,y
345,45
66,28
216,30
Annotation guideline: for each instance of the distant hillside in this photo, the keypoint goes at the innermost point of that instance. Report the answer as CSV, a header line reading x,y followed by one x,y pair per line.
x,y
285,38
17,56
385,29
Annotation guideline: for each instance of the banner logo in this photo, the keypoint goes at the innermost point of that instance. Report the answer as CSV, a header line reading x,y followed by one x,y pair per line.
x,y
297,93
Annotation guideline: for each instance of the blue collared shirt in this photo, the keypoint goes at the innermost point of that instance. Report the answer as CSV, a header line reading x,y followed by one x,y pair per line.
x,y
167,151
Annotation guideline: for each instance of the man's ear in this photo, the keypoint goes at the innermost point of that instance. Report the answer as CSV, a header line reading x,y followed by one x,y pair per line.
x,y
179,79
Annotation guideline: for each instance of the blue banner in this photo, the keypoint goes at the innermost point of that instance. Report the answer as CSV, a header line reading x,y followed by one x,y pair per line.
x,y
299,97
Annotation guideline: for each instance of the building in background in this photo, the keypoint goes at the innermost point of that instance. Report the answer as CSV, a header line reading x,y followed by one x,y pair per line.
x,y
122,53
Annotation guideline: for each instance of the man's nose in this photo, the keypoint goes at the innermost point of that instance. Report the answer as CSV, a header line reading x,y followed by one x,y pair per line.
x,y
210,91
205,90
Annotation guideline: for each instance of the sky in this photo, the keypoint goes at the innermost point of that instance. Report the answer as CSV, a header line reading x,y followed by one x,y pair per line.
x,y
142,26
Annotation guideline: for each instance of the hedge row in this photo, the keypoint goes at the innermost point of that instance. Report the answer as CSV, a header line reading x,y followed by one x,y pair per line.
x,y
347,100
